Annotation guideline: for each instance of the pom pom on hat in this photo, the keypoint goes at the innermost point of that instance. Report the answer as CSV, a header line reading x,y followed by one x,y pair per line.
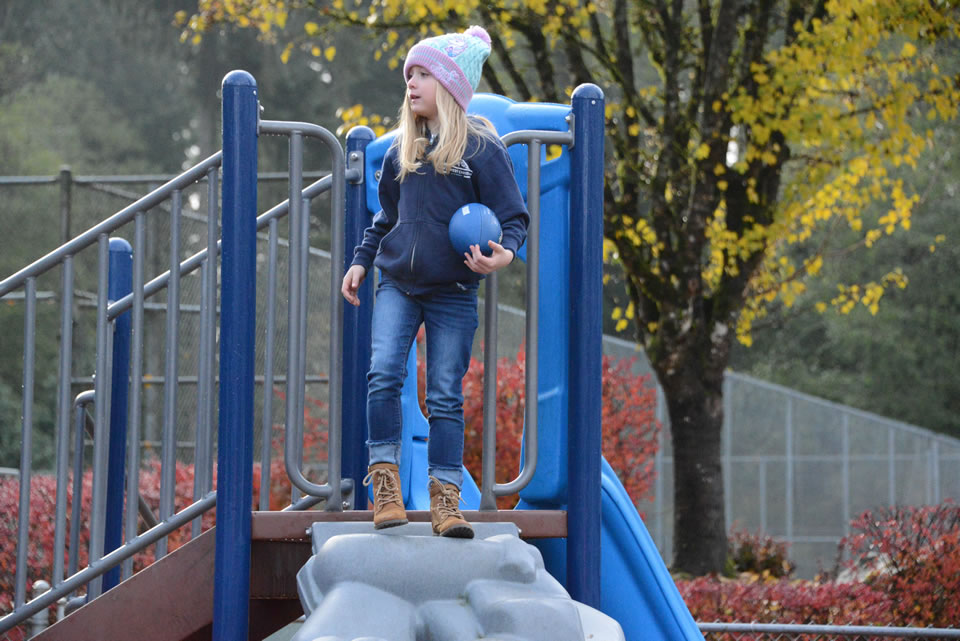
x,y
454,59
478,32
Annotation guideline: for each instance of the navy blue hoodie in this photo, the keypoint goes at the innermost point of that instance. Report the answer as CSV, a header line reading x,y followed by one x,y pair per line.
x,y
408,239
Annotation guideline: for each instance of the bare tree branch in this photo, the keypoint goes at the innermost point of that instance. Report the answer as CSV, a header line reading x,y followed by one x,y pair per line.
x,y
493,81
503,56
533,32
621,39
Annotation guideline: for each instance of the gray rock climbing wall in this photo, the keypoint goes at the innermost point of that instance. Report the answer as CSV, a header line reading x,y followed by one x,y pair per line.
x,y
404,584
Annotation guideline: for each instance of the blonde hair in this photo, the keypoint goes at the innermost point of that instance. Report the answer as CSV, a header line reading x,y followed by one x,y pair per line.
x,y
451,142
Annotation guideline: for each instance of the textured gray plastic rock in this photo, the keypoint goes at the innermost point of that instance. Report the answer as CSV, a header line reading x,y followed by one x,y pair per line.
x,y
404,584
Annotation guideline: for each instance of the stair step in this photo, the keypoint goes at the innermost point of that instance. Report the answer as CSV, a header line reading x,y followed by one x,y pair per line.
x,y
291,526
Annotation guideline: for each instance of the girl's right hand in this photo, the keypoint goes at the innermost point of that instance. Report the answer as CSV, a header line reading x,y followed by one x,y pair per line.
x,y
351,283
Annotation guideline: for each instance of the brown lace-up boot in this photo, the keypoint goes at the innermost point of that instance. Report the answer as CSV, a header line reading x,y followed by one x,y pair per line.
x,y
387,499
445,511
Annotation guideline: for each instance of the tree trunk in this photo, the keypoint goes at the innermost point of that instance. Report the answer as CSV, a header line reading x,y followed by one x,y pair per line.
x,y
694,396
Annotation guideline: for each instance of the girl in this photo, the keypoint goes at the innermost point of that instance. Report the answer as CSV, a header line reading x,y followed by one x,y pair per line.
x,y
440,160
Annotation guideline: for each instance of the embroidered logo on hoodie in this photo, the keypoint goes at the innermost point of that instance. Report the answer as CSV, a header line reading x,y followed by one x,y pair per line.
x,y
462,169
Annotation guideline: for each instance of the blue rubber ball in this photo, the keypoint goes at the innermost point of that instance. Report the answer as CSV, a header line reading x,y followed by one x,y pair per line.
x,y
474,224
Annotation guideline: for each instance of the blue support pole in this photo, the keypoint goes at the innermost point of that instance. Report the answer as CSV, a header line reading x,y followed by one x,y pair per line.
x,y
231,590
357,326
120,284
585,341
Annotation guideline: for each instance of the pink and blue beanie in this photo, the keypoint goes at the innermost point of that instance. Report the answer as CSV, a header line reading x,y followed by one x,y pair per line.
x,y
454,59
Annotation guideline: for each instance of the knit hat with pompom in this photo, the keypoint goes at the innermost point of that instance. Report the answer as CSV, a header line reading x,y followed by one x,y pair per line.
x,y
454,59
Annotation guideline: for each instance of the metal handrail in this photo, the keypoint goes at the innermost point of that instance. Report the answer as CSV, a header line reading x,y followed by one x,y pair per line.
x,y
335,486
108,225
489,489
191,264
114,311
109,312
97,568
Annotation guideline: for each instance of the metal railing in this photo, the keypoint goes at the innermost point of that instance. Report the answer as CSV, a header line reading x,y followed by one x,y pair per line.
x,y
110,310
63,259
814,632
299,208
489,489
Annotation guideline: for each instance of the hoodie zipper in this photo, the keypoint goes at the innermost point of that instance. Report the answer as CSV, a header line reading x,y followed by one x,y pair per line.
x,y
416,231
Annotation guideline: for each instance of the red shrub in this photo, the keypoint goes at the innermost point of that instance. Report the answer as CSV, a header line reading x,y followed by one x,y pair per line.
x,y
763,593
750,598
40,535
902,569
912,555
629,427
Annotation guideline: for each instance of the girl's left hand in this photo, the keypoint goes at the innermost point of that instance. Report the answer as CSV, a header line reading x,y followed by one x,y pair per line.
x,y
488,264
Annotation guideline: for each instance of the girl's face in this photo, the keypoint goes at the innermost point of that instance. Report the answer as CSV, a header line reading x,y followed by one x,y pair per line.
x,y
422,94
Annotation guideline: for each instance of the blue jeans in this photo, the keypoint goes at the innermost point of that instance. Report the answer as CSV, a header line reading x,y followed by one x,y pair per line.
x,y
451,321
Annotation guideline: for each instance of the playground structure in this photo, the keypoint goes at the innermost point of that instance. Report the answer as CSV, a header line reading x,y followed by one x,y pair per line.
x,y
589,533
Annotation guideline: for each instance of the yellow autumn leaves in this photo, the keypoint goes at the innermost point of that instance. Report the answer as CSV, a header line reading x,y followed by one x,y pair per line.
x,y
354,117
844,96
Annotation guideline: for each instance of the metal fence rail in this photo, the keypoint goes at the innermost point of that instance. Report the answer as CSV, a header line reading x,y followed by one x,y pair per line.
x,y
812,632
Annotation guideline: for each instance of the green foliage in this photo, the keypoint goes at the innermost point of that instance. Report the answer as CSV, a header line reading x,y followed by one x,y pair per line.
x,y
126,53
9,423
65,120
11,386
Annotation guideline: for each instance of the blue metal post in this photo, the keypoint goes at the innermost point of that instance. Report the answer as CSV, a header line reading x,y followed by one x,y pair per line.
x,y
120,284
231,590
357,324
586,317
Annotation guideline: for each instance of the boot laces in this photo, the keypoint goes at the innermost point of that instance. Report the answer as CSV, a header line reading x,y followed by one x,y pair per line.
x,y
448,501
385,486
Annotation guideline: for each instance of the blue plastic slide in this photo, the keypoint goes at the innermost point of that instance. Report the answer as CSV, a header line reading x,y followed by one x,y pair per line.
x,y
635,587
